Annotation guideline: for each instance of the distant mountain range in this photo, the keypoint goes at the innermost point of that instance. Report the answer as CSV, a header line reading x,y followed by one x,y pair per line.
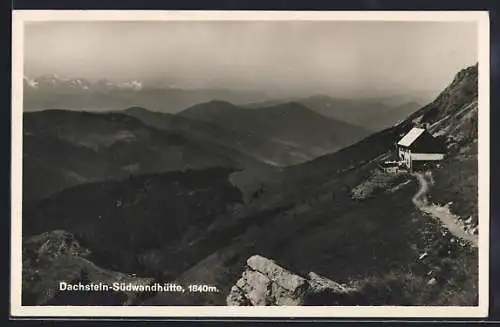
x,y
58,83
55,92
371,114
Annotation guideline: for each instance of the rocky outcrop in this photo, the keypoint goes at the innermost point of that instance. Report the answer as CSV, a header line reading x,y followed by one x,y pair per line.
x,y
57,256
265,283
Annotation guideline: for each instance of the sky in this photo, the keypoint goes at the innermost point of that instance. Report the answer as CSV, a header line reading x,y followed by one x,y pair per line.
x,y
281,57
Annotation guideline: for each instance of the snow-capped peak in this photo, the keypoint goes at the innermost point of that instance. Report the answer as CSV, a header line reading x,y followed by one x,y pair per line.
x,y
30,82
54,81
135,85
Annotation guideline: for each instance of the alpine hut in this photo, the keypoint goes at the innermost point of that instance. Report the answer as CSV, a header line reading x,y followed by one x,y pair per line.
x,y
418,147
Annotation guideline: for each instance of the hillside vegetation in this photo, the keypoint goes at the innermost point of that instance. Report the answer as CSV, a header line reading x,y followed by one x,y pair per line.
x,y
202,225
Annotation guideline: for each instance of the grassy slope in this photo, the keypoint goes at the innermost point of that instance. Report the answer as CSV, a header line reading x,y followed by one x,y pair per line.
x,y
456,181
454,117
373,244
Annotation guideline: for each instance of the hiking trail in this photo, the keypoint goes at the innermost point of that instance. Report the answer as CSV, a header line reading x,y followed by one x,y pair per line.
x,y
449,220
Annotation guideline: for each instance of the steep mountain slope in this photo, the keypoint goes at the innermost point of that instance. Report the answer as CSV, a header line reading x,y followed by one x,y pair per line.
x,y
324,228
453,116
453,113
289,123
65,148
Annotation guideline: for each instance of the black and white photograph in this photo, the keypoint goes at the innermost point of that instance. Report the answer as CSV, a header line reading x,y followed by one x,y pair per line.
x,y
218,161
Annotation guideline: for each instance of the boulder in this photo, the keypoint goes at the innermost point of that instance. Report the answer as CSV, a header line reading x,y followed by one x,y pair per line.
x,y
263,282
277,274
256,287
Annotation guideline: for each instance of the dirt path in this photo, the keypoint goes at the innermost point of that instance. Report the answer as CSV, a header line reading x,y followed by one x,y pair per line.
x,y
440,212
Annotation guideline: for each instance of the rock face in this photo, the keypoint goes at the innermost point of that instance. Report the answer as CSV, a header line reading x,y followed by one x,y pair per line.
x,y
266,283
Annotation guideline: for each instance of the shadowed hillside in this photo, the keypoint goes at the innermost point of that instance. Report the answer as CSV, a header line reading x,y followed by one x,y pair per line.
x,y
64,148
122,221
260,147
